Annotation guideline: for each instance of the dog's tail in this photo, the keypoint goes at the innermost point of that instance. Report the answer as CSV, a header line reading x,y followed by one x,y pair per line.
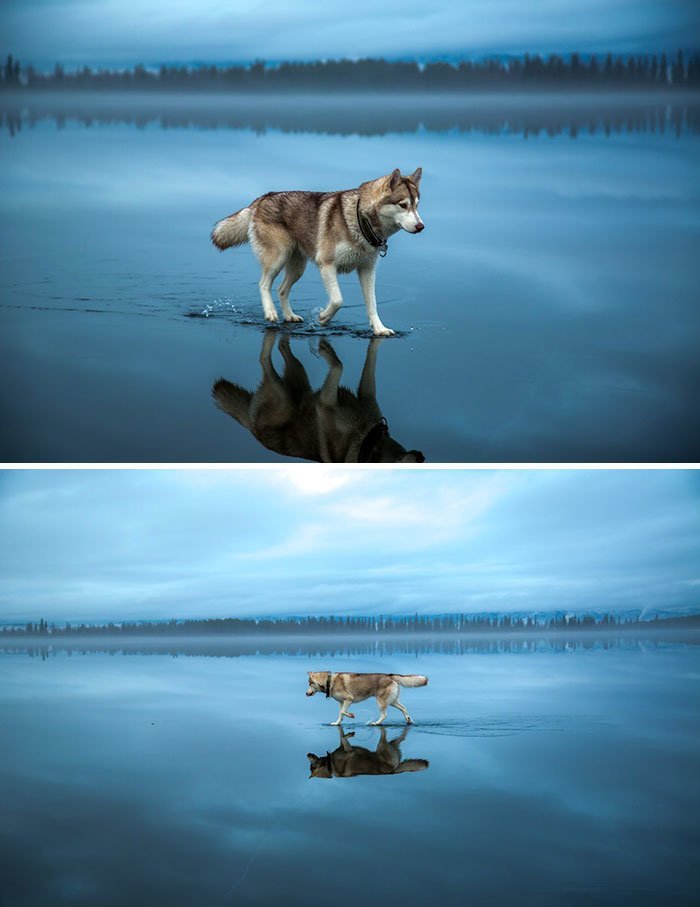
x,y
232,230
410,680
412,765
234,400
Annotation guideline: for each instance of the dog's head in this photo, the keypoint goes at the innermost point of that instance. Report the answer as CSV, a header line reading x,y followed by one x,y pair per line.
x,y
319,766
317,682
387,450
397,201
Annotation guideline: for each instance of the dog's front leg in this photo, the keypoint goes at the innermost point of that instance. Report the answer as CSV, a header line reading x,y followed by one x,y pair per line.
x,y
367,388
367,279
341,712
328,394
335,298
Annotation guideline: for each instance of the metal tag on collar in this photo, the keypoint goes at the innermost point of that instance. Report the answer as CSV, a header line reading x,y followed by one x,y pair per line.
x,y
383,249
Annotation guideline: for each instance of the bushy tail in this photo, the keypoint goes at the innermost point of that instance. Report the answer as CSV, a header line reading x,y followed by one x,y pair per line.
x,y
412,765
232,230
234,400
410,680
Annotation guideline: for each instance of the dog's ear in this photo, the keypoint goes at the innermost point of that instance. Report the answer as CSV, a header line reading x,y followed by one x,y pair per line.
x,y
416,175
394,179
312,757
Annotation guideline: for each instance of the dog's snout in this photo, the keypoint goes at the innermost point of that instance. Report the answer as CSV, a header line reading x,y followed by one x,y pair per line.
x,y
309,692
420,227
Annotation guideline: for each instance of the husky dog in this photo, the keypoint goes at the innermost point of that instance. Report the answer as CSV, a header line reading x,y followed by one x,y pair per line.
x,y
350,761
341,231
349,688
330,425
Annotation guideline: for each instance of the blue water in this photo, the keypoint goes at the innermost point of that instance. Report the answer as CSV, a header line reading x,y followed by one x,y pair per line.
x,y
548,312
548,776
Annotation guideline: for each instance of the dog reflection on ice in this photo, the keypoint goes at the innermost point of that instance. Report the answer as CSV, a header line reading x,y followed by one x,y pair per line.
x,y
329,425
349,761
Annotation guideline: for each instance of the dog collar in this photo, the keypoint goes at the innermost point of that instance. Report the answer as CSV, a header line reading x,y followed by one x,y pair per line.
x,y
371,439
369,233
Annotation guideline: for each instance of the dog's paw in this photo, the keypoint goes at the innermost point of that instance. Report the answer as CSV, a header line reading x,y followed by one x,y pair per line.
x,y
272,316
383,332
349,715
294,319
335,723
409,720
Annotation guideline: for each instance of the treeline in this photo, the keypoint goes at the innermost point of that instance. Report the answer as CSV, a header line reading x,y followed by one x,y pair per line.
x,y
644,71
353,626
382,647
529,115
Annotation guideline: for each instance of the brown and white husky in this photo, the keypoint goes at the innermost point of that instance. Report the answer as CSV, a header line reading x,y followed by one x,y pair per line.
x,y
349,761
340,231
348,688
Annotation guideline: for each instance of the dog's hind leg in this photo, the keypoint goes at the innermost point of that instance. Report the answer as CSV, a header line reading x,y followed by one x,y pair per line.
x,y
269,274
266,364
272,245
402,708
294,268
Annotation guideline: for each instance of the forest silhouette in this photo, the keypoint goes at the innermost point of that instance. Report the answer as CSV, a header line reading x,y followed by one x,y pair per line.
x,y
365,626
531,71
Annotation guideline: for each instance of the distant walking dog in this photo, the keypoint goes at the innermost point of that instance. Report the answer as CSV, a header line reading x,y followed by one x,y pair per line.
x,y
349,688
329,425
340,231
349,761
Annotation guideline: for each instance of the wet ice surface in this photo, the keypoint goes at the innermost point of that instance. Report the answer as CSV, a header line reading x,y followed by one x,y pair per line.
x,y
542,777
548,311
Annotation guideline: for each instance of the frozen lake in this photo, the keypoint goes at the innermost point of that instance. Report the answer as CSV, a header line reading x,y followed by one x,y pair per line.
x,y
549,311
539,774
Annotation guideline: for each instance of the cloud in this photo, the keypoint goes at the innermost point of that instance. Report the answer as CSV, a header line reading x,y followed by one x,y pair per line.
x,y
110,545
79,31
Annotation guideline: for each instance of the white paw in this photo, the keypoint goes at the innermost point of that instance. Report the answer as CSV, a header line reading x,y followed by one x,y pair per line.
x,y
335,723
294,318
381,331
271,316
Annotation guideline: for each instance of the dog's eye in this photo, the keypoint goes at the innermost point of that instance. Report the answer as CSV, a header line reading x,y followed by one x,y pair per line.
x,y
404,204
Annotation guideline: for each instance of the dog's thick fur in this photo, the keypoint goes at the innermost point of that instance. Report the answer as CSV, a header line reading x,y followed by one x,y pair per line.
x,y
286,229
348,688
330,425
349,761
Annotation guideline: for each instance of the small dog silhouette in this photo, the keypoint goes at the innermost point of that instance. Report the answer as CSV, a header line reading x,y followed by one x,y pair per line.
x,y
349,761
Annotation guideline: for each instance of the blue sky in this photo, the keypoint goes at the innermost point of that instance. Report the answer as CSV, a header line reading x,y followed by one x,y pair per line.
x,y
100,545
152,31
